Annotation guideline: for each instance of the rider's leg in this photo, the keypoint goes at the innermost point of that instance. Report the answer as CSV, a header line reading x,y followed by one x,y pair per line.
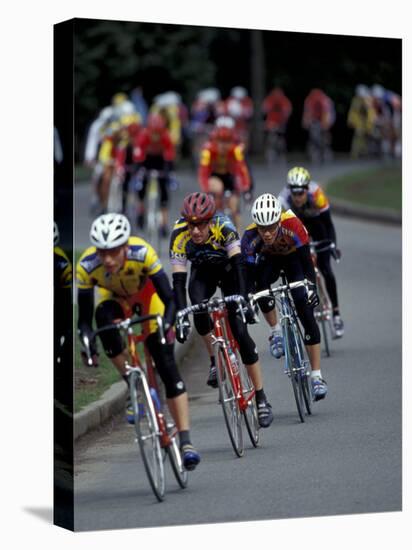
x,y
164,200
202,287
105,186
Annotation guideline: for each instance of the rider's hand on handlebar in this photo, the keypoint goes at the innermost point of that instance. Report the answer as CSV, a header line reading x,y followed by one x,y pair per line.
x,y
88,353
312,298
337,254
183,331
249,315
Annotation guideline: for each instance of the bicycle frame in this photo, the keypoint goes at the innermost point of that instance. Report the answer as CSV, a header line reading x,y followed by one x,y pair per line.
x,y
132,341
221,336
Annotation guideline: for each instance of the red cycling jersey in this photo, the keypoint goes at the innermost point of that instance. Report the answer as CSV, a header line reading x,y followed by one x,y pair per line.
x,y
277,108
156,143
214,160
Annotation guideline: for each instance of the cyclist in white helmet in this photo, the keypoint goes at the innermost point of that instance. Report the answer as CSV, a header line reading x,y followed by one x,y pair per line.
x,y
279,241
128,276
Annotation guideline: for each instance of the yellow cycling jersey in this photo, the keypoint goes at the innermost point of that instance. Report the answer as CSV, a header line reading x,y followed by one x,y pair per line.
x,y
223,237
63,273
142,262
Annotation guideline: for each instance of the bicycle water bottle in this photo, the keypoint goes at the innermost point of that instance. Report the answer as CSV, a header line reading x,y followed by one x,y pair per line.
x,y
233,360
156,399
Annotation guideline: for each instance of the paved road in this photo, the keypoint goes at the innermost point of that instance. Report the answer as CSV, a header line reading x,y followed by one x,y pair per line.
x,y
345,459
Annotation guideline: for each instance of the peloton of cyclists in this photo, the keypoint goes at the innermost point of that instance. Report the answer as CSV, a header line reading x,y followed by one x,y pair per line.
x,y
128,276
210,242
223,170
309,203
278,241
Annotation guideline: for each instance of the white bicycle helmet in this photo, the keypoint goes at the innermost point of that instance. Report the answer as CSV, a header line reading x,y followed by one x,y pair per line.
x,y
298,177
266,210
109,231
239,92
224,122
56,235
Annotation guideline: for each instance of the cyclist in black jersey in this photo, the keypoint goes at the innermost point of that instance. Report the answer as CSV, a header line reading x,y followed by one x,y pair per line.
x,y
212,245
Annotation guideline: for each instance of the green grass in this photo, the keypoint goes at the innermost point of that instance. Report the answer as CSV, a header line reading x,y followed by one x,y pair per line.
x,y
378,187
90,383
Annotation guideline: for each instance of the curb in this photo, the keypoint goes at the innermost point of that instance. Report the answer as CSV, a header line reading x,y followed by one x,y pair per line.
x,y
113,399
365,213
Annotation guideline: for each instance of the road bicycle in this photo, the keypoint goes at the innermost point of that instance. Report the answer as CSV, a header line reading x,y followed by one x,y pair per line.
x,y
236,390
324,311
297,366
275,145
153,214
318,144
156,436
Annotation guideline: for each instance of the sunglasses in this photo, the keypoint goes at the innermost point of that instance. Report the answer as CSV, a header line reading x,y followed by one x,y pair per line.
x,y
200,225
298,192
271,228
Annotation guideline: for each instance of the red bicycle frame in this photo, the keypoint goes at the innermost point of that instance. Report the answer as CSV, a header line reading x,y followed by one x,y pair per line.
x,y
222,331
132,341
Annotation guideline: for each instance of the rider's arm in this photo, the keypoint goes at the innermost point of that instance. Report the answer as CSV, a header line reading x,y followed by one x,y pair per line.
x,y
326,219
241,170
204,170
306,261
164,290
179,275
238,267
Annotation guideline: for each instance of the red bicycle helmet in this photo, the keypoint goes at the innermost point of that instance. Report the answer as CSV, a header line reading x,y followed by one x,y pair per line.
x,y
198,207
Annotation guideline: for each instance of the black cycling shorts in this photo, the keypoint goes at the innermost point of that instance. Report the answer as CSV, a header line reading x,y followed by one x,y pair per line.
x,y
156,162
227,179
203,284
267,272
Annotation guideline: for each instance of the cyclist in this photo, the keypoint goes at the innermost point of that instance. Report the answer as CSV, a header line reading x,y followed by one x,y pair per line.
x,y
223,170
361,119
276,108
308,201
318,118
129,277
211,243
278,240
239,106
154,150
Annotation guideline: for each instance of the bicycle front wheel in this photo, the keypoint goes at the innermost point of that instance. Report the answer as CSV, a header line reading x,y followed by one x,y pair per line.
x,y
250,413
304,372
176,462
325,337
293,367
147,433
115,200
229,402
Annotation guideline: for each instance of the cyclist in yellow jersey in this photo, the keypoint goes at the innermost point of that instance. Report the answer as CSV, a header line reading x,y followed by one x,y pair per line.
x,y
129,277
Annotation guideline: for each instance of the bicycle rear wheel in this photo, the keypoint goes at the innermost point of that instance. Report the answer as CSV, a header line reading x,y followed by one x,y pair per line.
x,y
229,402
304,372
147,432
250,414
176,462
293,367
115,201
325,337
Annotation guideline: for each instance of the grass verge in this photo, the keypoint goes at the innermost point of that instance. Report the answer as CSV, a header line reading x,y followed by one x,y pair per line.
x,y
378,187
